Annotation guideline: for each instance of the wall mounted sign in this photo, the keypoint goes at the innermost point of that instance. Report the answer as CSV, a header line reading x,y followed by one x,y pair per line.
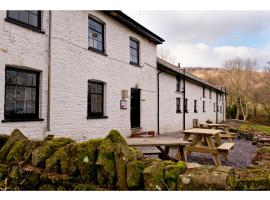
x,y
123,104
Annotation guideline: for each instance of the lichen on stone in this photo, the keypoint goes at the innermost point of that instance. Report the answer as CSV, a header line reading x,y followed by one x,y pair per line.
x,y
135,175
172,172
17,150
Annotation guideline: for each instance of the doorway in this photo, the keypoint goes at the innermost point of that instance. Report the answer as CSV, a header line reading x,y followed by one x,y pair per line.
x,y
135,108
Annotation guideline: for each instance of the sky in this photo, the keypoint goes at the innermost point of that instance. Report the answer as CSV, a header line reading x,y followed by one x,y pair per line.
x,y
209,38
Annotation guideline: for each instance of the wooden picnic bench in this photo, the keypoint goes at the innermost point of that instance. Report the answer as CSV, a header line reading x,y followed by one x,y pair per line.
x,y
202,142
224,135
163,145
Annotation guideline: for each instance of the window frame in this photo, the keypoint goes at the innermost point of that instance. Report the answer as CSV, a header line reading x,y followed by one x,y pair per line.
x,y
214,107
103,35
26,25
91,115
204,107
178,105
203,92
26,116
138,51
210,94
195,106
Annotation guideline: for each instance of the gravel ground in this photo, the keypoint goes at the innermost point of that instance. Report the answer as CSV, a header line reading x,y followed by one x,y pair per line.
x,y
240,156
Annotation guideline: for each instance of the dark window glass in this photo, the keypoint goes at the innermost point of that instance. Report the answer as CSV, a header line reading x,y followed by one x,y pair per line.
x,y
134,51
95,35
195,106
30,18
210,93
21,94
95,98
214,107
178,84
178,105
186,105
203,106
203,91
220,109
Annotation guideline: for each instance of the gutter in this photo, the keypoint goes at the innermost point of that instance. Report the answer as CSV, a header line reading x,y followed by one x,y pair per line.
x,y
49,74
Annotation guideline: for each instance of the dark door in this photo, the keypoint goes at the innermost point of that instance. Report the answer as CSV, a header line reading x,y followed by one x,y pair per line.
x,y
135,108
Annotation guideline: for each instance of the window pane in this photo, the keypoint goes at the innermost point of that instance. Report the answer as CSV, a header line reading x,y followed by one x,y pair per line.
x,y
133,52
21,78
23,16
10,99
20,107
95,25
30,107
91,42
11,77
99,46
93,87
133,44
31,80
33,19
93,103
13,14
20,93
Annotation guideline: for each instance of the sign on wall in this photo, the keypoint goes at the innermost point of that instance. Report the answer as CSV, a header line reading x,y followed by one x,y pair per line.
x,y
123,104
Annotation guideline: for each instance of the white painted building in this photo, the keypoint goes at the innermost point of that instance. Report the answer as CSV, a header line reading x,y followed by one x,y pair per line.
x,y
204,101
82,73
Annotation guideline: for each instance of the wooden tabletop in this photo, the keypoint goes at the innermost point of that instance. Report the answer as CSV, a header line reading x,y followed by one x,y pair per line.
x,y
218,125
156,141
202,131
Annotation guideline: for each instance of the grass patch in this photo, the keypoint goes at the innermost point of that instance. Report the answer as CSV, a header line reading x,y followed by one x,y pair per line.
x,y
259,127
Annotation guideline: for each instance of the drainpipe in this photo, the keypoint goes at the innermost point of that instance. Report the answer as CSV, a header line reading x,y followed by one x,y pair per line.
x,y
217,107
49,75
184,97
158,102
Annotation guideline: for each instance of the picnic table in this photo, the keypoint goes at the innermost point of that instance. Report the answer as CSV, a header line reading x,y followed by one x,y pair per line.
x,y
224,135
163,145
207,141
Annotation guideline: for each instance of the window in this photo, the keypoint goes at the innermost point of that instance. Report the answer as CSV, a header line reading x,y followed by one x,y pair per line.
x,y
220,109
134,51
28,18
95,35
214,107
203,106
95,98
21,94
178,105
186,106
210,94
195,106
178,84
203,92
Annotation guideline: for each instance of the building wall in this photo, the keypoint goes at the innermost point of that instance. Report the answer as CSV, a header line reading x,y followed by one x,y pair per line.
x,y
170,121
73,65
24,48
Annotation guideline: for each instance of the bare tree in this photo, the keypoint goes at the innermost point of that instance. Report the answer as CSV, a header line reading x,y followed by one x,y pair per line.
x,y
166,55
239,78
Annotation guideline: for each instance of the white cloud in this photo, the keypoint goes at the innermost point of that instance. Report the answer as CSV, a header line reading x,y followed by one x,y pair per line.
x,y
202,55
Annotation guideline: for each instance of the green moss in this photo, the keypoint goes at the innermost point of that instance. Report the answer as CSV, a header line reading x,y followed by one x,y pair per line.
x,y
153,176
172,172
116,137
148,161
16,135
87,187
135,154
265,149
47,187
3,139
106,170
135,175
17,150
3,171
42,153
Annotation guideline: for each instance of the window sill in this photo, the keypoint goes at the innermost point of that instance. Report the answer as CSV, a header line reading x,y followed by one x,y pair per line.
x,y
134,64
97,117
24,25
97,51
22,120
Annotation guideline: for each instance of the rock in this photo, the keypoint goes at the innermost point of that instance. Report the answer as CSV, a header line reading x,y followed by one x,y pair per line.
x,y
15,136
29,149
42,153
135,175
153,177
55,179
3,171
106,169
262,156
253,178
150,160
205,178
3,139
172,172
47,187
30,181
17,150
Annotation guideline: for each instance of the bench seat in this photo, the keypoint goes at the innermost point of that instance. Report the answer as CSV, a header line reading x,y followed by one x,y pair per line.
x,y
226,146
